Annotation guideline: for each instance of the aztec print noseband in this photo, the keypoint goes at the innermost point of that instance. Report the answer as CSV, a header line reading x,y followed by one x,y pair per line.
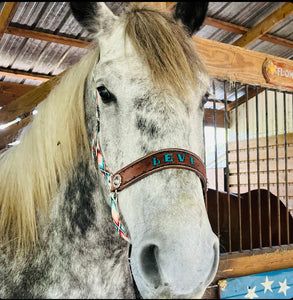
x,y
147,165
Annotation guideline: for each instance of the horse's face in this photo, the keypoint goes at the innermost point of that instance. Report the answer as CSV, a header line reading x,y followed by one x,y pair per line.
x,y
174,251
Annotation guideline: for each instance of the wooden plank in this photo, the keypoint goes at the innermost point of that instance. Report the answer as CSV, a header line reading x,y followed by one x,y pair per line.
x,y
262,154
28,101
223,62
231,266
10,134
264,26
262,142
9,91
225,25
242,99
51,38
48,37
233,63
273,188
242,30
160,5
277,40
7,15
262,165
233,179
248,263
24,75
209,118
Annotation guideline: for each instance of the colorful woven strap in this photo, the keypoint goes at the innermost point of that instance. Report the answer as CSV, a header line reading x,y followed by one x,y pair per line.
x,y
99,159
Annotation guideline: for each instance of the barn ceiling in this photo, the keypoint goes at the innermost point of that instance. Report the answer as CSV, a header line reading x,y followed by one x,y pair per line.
x,y
39,40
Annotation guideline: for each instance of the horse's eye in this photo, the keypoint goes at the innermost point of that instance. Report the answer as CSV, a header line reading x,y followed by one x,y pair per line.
x,y
105,94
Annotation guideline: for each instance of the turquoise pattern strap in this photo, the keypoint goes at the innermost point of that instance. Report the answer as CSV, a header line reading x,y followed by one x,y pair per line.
x,y
98,158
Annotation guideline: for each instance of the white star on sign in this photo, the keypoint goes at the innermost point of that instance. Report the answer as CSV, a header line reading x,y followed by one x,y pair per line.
x,y
267,284
283,287
251,293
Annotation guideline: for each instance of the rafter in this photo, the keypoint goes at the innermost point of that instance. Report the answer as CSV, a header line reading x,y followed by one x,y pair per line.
x,y
7,15
9,91
24,75
52,38
242,30
264,26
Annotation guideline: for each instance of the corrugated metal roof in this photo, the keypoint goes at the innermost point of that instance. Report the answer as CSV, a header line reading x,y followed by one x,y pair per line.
x,y
43,57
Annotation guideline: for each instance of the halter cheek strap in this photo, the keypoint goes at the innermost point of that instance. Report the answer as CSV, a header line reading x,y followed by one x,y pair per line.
x,y
99,159
147,165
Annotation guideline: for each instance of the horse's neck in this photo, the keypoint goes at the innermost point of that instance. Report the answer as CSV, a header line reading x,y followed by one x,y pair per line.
x,y
79,253
86,240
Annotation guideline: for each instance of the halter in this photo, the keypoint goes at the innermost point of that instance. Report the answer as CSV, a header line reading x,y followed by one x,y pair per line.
x,y
142,167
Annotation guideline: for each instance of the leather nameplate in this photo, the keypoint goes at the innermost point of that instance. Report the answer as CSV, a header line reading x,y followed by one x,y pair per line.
x,y
159,160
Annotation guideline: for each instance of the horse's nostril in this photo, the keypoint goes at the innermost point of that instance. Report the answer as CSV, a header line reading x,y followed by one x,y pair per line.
x,y
149,265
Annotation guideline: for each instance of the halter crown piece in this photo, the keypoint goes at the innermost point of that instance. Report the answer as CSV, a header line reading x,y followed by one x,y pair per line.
x,y
144,166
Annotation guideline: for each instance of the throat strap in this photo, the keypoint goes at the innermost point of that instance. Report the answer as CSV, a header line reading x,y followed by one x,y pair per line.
x,y
157,161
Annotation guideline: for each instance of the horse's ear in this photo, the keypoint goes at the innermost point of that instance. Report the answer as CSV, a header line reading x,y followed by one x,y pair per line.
x,y
93,16
191,14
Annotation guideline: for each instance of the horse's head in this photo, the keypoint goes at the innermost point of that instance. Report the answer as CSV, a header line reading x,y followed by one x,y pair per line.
x,y
150,84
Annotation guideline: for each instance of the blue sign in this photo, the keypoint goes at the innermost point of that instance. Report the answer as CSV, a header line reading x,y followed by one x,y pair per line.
x,y
270,285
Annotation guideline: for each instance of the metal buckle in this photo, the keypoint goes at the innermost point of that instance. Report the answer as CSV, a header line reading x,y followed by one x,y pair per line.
x,y
117,181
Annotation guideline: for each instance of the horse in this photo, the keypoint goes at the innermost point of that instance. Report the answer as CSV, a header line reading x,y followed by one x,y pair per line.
x,y
104,195
264,220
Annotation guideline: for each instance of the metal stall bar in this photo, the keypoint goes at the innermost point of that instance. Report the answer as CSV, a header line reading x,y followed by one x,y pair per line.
x,y
268,168
216,159
204,157
257,166
238,170
277,165
227,165
286,165
248,165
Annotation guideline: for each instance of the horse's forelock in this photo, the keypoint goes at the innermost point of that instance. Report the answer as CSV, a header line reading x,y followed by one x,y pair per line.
x,y
166,48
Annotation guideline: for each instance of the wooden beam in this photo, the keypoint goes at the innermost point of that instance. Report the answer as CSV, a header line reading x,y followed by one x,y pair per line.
x,y
242,30
7,15
225,25
238,265
9,91
247,263
223,61
264,26
242,99
52,38
11,133
24,75
160,5
227,62
26,103
209,118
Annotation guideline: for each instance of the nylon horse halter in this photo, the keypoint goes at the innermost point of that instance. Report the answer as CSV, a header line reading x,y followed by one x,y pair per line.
x,y
142,167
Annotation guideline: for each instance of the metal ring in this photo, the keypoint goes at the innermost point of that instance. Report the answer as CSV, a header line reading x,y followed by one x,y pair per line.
x,y
117,181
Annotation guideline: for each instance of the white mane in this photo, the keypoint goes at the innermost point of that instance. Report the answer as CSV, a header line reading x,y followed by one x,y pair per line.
x,y
49,147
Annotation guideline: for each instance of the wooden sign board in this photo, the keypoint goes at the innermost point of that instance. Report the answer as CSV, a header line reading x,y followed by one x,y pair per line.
x,y
269,285
278,73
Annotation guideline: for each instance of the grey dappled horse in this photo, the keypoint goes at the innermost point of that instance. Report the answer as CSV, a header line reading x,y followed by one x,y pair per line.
x,y
138,91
